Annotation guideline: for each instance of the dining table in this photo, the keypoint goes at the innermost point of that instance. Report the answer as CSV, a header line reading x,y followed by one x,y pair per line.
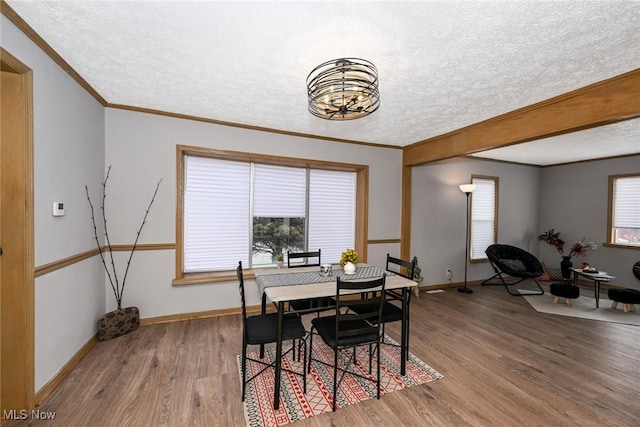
x,y
281,286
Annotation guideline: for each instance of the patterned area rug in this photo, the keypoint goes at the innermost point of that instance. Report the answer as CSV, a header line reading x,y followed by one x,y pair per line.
x,y
295,405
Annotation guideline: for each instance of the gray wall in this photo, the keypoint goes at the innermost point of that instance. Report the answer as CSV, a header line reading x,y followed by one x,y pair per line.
x,y
142,149
571,199
574,201
438,214
68,153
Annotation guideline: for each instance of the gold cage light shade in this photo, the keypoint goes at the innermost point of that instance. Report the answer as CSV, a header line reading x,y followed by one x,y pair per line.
x,y
343,89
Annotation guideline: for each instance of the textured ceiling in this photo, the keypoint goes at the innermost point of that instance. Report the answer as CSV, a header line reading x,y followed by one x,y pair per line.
x,y
442,65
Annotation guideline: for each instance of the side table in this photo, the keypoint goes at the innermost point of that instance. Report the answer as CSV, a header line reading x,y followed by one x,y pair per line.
x,y
596,278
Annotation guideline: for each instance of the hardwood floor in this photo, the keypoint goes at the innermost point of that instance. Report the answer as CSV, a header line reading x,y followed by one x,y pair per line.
x,y
503,364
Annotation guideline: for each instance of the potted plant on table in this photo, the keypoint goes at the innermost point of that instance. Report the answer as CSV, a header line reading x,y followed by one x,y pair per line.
x,y
348,261
122,320
280,260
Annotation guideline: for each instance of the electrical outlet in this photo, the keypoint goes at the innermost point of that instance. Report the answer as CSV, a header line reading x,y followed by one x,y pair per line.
x,y
448,272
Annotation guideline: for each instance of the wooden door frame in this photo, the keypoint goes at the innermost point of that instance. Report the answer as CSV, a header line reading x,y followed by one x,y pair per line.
x,y
26,350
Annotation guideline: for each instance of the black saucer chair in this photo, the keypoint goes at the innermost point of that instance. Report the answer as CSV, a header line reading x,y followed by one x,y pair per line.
x,y
514,262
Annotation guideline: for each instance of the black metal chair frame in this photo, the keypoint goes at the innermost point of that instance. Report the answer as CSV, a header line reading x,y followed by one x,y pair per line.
x,y
345,330
390,311
292,329
308,305
305,256
533,265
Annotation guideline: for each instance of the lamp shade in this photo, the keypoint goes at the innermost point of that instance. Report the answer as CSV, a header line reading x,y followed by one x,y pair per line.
x,y
467,188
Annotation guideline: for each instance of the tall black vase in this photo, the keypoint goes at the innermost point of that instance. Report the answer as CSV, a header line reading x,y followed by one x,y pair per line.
x,y
565,266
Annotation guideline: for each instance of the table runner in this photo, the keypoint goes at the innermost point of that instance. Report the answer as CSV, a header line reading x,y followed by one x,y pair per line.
x,y
308,277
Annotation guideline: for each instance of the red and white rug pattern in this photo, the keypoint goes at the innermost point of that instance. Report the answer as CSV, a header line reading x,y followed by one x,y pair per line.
x,y
296,405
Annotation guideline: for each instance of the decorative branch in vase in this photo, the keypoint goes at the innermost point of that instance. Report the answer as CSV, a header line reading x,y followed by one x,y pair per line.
x,y
120,321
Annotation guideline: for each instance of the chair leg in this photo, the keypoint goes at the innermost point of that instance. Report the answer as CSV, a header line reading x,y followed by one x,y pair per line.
x,y
335,377
406,356
518,294
304,368
486,282
310,350
614,304
378,383
244,369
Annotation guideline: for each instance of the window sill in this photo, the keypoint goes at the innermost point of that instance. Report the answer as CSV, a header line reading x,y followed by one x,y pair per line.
x,y
210,277
620,246
478,260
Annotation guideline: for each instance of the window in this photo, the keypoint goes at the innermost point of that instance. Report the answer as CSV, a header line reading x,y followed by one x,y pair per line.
x,y
624,210
216,212
484,216
236,208
279,212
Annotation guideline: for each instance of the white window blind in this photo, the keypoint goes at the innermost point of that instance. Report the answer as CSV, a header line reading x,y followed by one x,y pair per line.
x,y
216,214
224,201
279,192
483,217
332,202
626,210
626,201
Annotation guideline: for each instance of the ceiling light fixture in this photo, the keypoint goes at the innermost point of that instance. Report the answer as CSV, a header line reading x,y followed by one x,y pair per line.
x,y
343,89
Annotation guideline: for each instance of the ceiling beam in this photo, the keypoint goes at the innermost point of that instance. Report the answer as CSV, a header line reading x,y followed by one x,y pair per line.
x,y
601,103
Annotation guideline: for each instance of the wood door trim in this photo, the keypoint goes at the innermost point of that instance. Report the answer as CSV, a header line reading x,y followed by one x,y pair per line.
x,y
26,352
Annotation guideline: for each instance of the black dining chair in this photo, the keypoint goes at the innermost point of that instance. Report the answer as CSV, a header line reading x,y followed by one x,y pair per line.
x,y
304,259
263,329
347,330
392,307
308,305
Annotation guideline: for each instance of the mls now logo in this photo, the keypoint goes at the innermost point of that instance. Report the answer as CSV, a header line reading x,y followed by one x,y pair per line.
x,y
23,414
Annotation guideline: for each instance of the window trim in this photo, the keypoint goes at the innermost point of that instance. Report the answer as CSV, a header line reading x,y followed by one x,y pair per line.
x,y
609,232
362,202
496,181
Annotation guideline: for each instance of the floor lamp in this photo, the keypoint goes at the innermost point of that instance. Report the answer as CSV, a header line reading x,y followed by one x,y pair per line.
x,y
466,189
